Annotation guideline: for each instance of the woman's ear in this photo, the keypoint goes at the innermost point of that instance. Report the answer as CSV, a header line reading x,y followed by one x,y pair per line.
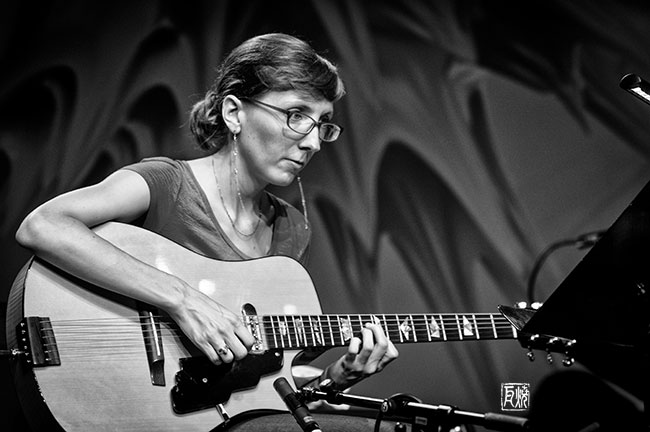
x,y
231,109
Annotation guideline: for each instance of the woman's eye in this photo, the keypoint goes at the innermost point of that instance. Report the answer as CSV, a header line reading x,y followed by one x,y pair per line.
x,y
297,116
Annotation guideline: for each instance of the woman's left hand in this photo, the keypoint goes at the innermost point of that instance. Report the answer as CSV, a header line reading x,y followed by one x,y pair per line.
x,y
365,356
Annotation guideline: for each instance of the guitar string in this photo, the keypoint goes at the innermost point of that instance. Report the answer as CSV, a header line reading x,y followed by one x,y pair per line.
x,y
294,334
363,317
293,328
309,321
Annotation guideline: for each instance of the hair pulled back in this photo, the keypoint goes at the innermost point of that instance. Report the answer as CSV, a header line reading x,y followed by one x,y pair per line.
x,y
270,62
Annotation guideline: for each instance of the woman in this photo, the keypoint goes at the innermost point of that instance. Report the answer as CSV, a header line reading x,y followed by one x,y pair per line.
x,y
263,120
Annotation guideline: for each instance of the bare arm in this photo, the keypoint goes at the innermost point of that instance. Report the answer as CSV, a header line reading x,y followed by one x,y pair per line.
x,y
59,231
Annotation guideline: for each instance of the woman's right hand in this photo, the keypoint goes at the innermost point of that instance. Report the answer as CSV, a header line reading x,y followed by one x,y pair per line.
x,y
59,232
216,331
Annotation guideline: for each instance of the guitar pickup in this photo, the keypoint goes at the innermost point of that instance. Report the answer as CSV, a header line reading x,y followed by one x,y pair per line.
x,y
37,342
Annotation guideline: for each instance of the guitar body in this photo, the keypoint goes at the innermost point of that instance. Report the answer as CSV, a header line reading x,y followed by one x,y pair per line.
x,y
101,385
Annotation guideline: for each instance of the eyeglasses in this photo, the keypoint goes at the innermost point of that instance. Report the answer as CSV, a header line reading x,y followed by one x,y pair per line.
x,y
303,124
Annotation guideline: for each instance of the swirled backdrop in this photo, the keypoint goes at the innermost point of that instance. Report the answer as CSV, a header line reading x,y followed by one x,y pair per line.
x,y
476,133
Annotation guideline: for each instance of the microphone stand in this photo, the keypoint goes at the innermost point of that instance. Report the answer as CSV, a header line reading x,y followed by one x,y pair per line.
x,y
430,417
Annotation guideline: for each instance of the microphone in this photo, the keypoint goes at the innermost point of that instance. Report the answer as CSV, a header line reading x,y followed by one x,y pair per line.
x,y
298,409
637,86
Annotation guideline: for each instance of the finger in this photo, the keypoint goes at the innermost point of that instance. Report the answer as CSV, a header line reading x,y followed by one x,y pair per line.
x,y
379,336
224,352
221,346
353,350
237,348
240,341
245,336
367,344
390,355
379,349
210,353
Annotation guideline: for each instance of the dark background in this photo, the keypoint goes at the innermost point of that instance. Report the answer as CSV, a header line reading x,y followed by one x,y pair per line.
x,y
476,134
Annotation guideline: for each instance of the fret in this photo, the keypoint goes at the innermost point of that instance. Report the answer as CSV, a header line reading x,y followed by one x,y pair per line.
x,y
297,328
467,327
375,320
415,333
272,327
273,330
504,329
370,320
307,333
293,332
482,331
399,329
387,329
450,327
337,330
405,329
428,328
348,331
323,331
360,322
318,333
300,329
421,329
286,331
310,339
433,328
269,331
329,325
303,325
383,317
489,330
477,330
306,329
444,327
468,330
277,333
344,328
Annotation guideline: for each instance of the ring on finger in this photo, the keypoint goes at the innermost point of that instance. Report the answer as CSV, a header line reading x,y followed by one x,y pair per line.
x,y
223,350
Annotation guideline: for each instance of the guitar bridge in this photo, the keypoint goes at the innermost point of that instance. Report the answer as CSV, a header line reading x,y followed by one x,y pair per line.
x,y
37,343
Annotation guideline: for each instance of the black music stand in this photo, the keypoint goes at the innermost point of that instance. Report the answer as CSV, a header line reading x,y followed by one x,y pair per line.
x,y
603,305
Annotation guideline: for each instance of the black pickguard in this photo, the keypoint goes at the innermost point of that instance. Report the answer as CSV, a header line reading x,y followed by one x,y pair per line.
x,y
200,384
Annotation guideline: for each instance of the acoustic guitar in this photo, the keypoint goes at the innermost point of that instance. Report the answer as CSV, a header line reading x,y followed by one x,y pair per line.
x,y
86,359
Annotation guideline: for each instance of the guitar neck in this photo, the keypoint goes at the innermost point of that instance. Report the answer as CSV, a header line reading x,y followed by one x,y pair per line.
x,y
310,331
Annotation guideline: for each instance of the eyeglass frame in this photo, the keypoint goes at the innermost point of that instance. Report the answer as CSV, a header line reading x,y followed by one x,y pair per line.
x,y
289,113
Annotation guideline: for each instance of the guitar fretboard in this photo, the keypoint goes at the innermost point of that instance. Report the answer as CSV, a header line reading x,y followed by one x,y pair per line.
x,y
303,331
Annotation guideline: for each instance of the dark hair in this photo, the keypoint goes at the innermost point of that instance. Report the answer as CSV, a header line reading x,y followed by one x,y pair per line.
x,y
270,62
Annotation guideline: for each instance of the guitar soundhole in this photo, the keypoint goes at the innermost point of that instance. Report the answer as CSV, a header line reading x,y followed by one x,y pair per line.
x,y
200,384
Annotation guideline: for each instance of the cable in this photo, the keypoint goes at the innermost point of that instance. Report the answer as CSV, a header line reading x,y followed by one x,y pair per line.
x,y
581,242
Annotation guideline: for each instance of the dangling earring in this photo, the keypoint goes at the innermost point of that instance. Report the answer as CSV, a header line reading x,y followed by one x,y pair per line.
x,y
235,171
304,202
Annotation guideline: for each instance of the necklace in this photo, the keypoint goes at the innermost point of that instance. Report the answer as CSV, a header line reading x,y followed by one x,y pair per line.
x,y
241,202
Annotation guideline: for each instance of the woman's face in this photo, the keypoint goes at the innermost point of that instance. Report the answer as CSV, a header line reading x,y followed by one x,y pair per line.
x,y
270,152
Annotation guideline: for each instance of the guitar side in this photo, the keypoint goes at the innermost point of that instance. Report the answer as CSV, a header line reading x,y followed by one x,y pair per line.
x,y
101,386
